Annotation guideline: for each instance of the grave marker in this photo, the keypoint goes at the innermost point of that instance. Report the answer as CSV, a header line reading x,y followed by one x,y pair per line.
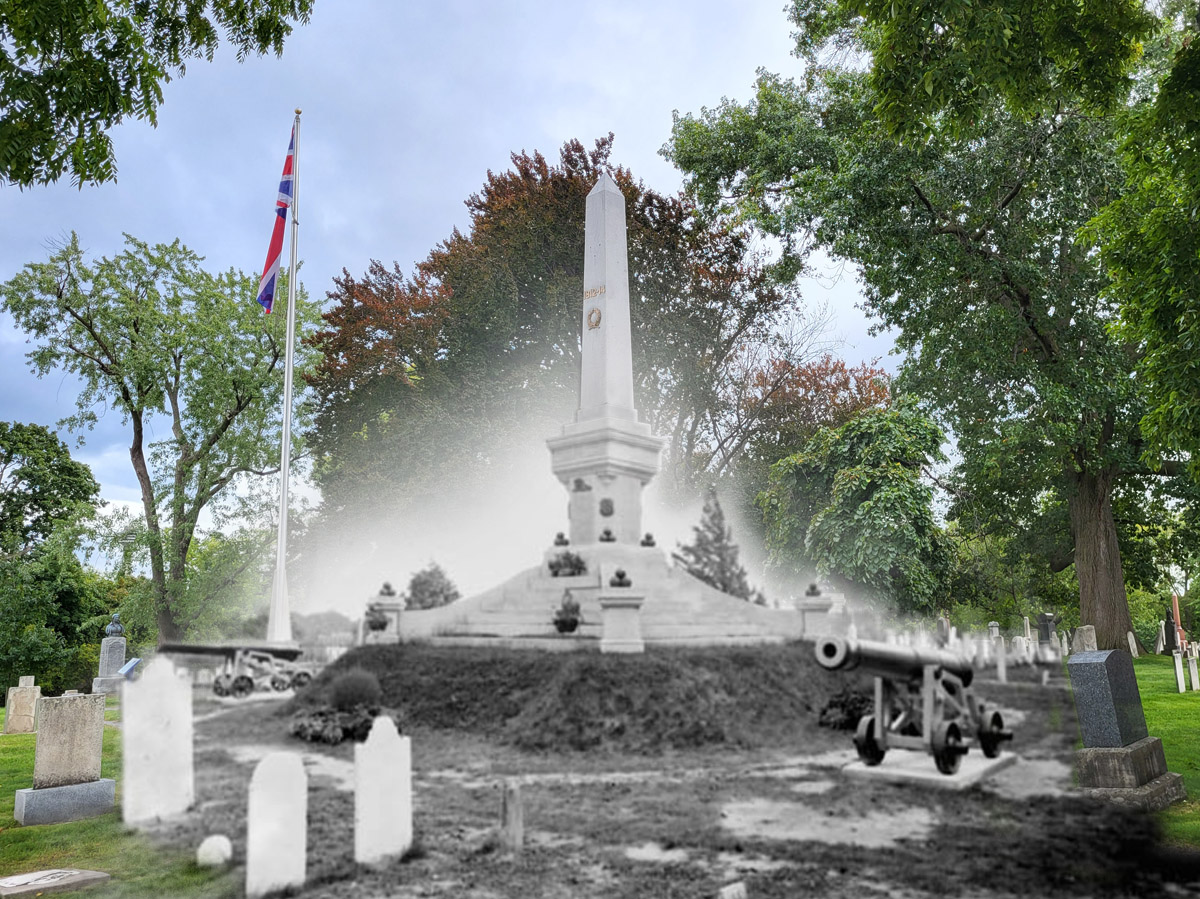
x,y
1179,682
383,795
66,763
512,817
277,825
1133,651
156,712
1085,638
20,707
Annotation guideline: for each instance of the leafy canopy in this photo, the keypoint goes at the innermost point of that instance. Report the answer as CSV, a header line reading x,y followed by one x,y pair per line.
x,y
40,484
70,70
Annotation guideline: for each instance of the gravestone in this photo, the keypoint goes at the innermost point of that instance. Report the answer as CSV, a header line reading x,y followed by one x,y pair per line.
x,y
1160,643
277,825
1179,681
1133,650
215,851
1001,660
1027,633
512,817
20,707
54,880
156,714
1045,627
1084,639
383,795
1192,671
1019,648
1171,634
1119,761
993,629
112,657
66,763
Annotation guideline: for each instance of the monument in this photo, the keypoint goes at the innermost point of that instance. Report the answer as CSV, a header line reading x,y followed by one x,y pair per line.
x,y
112,658
604,459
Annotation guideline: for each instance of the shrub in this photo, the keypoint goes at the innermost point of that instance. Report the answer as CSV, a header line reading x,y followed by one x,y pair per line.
x,y
567,564
844,709
355,688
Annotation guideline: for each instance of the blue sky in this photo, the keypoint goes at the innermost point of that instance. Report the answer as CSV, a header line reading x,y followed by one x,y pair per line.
x,y
406,107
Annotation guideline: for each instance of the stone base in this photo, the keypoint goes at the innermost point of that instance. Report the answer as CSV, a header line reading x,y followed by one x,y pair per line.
x,y
107,684
55,880
1154,797
911,766
1125,767
55,805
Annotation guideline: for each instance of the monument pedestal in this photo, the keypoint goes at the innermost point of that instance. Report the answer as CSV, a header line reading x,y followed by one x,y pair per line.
x,y
112,660
1135,775
622,617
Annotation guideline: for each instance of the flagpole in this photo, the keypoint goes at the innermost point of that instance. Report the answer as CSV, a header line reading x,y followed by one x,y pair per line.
x,y
279,618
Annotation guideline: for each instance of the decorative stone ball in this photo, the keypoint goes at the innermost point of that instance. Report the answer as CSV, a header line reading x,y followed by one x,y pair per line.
x,y
115,628
560,539
620,579
215,852
387,589
813,590
648,540
606,536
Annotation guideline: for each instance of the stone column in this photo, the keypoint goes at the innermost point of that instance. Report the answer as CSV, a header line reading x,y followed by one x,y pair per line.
x,y
112,660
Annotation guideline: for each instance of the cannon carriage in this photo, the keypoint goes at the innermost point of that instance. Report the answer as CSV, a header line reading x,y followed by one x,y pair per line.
x,y
923,701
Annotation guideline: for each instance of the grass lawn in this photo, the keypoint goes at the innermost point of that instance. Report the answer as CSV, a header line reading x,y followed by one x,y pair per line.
x,y
104,844
1174,718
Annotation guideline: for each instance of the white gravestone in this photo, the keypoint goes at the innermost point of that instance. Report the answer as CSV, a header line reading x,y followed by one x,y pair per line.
x,y
277,825
1179,682
1193,672
156,713
20,707
512,817
1132,643
383,795
1085,638
1001,659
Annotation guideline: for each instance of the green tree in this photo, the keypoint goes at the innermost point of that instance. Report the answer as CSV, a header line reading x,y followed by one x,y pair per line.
x,y
429,588
712,556
150,333
70,70
852,503
39,484
966,243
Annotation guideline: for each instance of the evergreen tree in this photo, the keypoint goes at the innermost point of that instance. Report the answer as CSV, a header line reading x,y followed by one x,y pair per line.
x,y
713,556
429,588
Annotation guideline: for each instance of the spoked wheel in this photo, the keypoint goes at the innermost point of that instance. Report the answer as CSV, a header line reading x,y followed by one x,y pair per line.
x,y
301,679
992,733
948,747
868,747
243,686
221,684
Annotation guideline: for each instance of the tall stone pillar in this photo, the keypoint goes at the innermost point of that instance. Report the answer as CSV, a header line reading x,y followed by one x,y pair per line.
x,y
606,456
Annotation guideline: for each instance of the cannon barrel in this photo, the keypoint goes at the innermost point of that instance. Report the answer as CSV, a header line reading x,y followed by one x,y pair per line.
x,y
886,660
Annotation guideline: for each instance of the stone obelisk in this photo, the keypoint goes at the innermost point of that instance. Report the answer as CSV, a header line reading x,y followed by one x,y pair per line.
x,y
606,456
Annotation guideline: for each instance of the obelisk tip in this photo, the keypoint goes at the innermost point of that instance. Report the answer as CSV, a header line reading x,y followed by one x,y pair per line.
x,y
603,183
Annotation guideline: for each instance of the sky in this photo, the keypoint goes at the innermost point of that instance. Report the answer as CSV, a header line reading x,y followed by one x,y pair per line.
x,y
406,106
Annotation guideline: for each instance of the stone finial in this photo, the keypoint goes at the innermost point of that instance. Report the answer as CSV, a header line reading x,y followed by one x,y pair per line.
x,y
560,539
620,579
648,540
607,536
387,589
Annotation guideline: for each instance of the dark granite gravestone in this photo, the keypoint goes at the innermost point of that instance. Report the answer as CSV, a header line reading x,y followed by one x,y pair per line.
x,y
1107,700
1172,634
1045,627
1120,761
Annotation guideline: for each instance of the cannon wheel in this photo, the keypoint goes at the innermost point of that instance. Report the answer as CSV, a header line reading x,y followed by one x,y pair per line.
x,y
868,747
242,686
280,682
948,747
221,684
301,679
991,732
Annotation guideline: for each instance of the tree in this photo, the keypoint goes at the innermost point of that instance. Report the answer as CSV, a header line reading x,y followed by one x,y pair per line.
x,y
944,64
70,70
429,588
484,338
966,244
150,333
712,556
852,503
40,484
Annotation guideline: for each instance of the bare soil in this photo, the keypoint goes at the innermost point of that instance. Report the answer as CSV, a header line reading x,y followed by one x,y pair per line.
x,y
780,817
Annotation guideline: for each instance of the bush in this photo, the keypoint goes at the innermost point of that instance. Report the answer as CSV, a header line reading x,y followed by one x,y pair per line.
x,y
567,564
327,725
844,709
355,688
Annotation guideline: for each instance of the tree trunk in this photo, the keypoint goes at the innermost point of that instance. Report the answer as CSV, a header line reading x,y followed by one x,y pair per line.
x,y
168,631
1102,600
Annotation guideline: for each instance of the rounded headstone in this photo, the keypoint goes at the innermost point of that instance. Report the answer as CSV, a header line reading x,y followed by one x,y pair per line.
x,y
215,852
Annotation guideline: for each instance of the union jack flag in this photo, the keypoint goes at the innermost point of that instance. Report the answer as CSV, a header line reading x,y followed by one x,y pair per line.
x,y
270,275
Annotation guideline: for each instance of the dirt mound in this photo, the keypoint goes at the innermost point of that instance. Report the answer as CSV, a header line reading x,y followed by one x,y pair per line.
x,y
666,698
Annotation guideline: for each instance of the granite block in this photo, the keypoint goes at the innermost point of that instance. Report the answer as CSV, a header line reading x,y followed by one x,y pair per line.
x,y
1154,797
54,805
1107,701
1123,766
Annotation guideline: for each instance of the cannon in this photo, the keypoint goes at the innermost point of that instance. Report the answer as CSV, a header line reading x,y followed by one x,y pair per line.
x,y
922,701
